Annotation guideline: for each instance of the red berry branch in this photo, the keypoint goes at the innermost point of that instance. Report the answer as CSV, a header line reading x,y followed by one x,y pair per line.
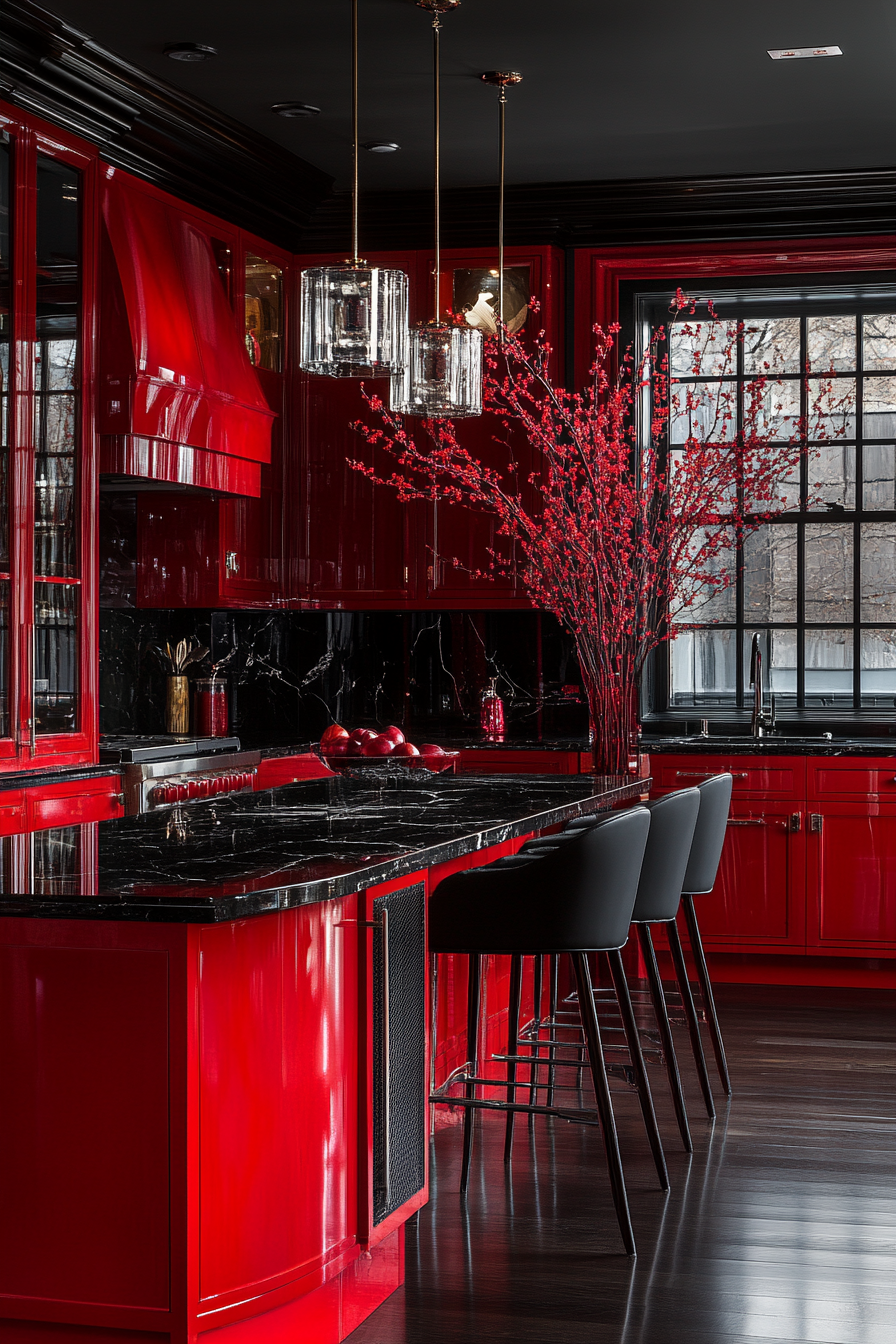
x,y
646,480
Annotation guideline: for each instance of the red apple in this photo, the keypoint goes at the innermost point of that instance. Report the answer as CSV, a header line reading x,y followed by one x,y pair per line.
x,y
394,733
362,734
405,749
335,733
342,746
430,749
377,746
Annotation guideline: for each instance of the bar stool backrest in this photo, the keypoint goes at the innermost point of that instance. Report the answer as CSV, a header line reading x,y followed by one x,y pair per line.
x,y
709,835
673,820
578,897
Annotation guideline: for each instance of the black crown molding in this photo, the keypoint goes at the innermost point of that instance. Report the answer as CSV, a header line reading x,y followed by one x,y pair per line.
x,y
153,129
612,214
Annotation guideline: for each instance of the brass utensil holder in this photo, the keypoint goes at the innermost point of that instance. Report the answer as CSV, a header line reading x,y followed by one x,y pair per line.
x,y
177,705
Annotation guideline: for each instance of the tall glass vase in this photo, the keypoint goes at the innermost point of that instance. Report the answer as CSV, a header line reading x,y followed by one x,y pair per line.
x,y
613,718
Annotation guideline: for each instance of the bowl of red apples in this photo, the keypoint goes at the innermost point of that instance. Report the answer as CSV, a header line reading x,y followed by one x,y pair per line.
x,y
364,747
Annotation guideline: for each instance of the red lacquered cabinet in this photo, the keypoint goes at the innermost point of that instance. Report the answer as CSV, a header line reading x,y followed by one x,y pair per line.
x,y
809,863
194,1153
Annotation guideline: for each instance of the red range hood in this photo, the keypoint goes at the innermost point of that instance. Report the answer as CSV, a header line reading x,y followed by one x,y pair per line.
x,y
179,400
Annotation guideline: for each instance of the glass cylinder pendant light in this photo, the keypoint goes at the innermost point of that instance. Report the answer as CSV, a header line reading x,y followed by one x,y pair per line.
x,y
354,317
443,377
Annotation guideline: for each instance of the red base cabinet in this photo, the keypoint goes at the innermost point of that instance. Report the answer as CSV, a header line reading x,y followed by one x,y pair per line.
x,y
190,1159
809,863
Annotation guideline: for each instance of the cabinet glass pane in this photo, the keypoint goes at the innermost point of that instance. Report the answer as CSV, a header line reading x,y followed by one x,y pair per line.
x,y
5,329
56,657
264,313
55,374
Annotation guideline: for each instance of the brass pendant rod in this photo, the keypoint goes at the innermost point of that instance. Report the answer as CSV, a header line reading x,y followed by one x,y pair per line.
x,y
502,107
354,132
437,263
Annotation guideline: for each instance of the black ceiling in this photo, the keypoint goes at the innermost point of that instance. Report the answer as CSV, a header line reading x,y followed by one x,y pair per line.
x,y
610,91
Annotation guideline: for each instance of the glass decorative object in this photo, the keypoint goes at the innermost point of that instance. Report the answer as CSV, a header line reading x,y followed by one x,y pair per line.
x,y
491,713
443,376
354,321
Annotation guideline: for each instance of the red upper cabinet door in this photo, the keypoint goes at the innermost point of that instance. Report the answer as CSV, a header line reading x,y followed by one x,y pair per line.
x,y
466,561
349,542
851,850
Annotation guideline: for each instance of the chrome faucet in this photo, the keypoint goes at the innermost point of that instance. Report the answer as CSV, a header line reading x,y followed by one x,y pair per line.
x,y
761,723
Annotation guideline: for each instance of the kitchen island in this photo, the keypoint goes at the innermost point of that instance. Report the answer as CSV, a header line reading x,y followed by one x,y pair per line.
x,y
215,1056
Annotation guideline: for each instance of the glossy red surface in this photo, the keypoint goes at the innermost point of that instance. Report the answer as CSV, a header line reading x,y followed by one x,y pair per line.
x,y
82,1220
192,382
60,804
600,271
851,861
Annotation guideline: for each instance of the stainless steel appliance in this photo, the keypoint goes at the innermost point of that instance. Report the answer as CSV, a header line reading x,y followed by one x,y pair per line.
x,y
159,772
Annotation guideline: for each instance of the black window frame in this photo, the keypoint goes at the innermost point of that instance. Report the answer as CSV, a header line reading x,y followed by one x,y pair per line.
x,y
644,305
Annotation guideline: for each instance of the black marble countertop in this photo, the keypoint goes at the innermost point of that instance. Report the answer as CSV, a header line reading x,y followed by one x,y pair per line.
x,y
714,745
63,774
246,854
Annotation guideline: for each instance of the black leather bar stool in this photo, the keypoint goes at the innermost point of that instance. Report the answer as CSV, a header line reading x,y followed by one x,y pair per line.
x,y
699,880
576,899
673,820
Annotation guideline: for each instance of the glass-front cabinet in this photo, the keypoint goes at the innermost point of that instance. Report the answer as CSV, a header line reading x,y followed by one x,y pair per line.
x,y
47,707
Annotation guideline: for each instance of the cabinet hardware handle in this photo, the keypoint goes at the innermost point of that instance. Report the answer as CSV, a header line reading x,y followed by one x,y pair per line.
x,y
815,821
747,821
709,774
796,821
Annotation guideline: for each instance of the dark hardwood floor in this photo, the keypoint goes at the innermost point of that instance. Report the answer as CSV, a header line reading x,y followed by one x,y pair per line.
x,y
780,1227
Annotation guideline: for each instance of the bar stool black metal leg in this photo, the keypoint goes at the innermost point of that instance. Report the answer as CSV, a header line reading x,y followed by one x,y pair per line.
x,y
553,999
627,1012
473,1000
690,1012
715,1032
602,1093
662,1018
537,990
513,1031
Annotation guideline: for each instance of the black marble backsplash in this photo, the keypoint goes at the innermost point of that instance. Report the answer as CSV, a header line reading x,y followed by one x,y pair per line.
x,y
290,673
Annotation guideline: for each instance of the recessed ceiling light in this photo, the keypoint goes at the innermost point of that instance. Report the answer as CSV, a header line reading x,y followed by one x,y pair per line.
x,y
295,109
381,146
189,51
803,53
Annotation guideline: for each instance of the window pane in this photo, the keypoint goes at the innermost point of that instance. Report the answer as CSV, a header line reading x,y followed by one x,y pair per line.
x,y
704,411
829,666
707,348
878,667
264,302
702,667
829,571
778,648
772,345
832,408
55,657
879,475
832,475
831,343
770,573
698,602
880,341
776,408
879,572
879,419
